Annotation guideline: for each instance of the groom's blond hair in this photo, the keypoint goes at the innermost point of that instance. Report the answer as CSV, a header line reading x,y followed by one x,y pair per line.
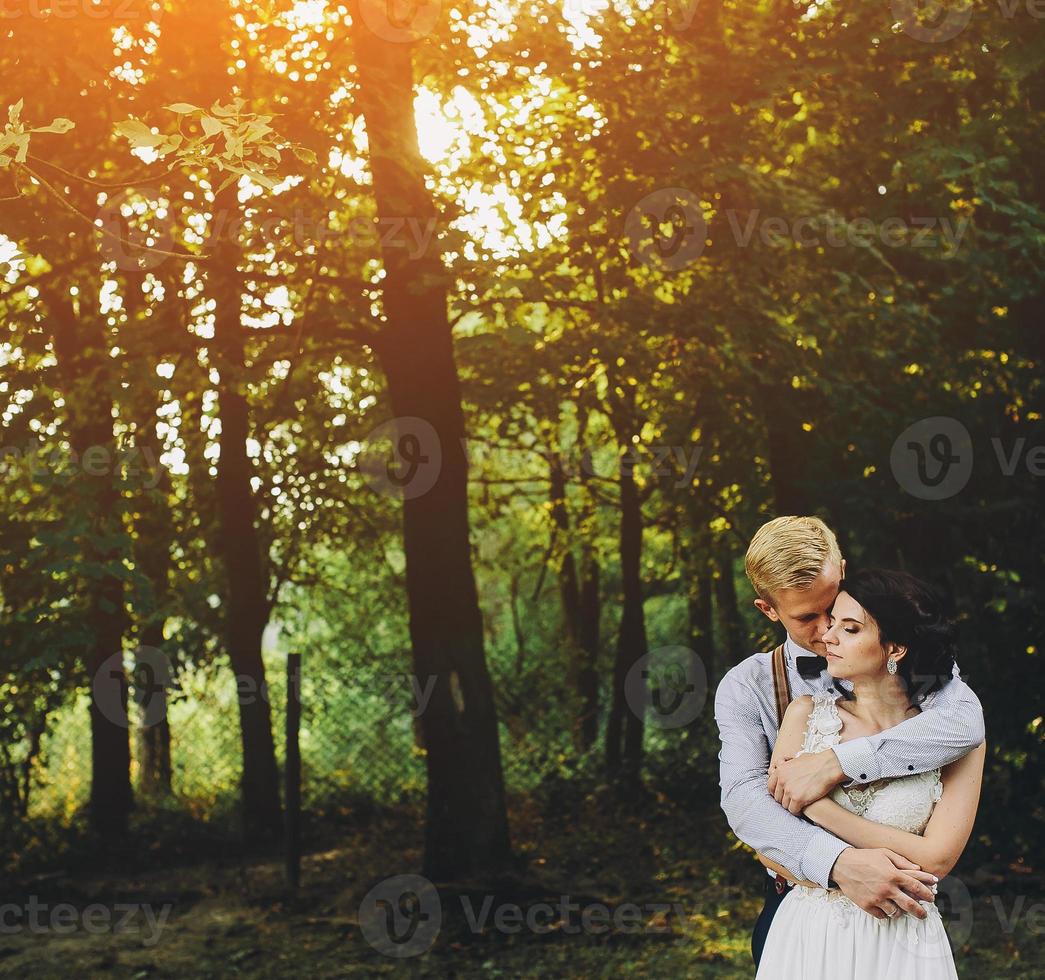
x,y
789,553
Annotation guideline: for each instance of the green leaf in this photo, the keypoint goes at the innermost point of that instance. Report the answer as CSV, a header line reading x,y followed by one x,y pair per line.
x,y
256,131
138,134
211,126
304,154
14,112
231,179
21,140
183,107
59,125
263,179
233,145
170,144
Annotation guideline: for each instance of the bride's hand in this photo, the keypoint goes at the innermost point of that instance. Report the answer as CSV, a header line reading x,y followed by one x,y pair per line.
x,y
797,782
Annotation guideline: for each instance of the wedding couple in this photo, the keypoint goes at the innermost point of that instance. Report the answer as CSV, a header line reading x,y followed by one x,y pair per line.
x,y
851,761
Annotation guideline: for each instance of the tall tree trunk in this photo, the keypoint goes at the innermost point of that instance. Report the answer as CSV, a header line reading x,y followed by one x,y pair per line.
x,y
154,739
247,605
83,359
570,596
731,624
154,537
590,617
588,676
569,591
787,445
699,584
626,724
699,614
466,829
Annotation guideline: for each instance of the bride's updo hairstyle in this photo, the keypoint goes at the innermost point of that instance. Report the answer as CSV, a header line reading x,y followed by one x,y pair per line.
x,y
909,613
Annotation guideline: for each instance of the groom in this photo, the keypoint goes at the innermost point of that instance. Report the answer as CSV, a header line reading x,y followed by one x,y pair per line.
x,y
795,567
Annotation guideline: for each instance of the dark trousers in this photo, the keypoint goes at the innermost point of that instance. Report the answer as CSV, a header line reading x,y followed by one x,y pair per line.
x,y
765,920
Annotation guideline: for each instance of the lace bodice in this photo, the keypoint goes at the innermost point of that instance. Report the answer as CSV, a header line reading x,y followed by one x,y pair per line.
x,y
904,802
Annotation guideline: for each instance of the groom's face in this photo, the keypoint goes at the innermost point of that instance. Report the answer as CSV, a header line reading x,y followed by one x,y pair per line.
x,y
806,613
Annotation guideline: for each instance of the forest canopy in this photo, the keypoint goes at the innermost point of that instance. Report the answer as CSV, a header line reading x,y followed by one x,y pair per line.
x,y
473,343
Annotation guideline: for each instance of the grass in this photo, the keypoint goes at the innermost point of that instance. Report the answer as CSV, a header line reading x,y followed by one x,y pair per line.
x,y
230,914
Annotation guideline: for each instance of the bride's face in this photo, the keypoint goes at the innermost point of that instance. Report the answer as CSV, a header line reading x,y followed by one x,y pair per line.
x,y
854,646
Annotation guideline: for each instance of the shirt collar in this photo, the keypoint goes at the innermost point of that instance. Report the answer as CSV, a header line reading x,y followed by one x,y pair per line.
x,y
793,649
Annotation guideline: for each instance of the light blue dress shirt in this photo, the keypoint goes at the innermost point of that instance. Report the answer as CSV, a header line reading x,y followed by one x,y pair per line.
x,y
949,726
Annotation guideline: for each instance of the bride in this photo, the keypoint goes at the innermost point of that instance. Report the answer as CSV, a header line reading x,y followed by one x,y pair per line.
x,y
890,641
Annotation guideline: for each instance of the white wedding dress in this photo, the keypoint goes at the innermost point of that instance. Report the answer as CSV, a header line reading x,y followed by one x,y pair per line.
x,y
819,934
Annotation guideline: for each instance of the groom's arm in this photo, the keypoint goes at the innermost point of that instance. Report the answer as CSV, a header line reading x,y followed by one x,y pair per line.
x,y
949,726
805,850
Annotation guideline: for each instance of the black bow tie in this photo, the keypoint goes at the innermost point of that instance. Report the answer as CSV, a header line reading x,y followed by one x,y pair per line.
x,y
811,666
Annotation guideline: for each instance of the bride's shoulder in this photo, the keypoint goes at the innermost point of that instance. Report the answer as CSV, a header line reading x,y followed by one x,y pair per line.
x,y
804,705
817,702
800,707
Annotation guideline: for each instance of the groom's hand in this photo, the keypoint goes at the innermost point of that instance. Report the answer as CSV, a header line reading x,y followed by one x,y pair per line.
x,y
881,881
795,783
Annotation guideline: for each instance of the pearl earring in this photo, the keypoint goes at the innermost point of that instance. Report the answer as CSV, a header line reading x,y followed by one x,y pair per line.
x,y
891,666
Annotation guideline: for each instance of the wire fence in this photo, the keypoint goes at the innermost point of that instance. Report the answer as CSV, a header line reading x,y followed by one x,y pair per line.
x,y
358,740
353,743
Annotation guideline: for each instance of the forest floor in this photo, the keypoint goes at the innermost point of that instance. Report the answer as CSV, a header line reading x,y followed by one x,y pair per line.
x,y
228,917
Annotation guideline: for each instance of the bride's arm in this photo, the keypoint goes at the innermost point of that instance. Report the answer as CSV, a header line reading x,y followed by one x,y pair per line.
x,y
946,834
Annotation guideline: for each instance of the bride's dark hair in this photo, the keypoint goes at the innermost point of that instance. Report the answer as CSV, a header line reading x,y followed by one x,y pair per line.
x,y
910,613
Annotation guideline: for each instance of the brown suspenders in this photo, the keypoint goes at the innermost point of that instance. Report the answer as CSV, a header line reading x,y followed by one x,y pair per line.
x,y
781,685
782,690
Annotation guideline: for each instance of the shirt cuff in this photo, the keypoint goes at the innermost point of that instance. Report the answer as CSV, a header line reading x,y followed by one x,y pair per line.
x,y
858,760
820,858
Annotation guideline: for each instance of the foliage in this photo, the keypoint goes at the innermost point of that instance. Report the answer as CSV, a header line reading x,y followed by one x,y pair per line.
x,y
783,364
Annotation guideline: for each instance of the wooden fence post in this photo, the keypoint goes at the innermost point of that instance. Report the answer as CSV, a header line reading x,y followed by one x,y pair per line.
x,y
292,771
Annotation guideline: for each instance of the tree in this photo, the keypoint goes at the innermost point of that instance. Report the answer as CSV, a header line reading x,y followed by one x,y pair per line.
x,y
466,830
